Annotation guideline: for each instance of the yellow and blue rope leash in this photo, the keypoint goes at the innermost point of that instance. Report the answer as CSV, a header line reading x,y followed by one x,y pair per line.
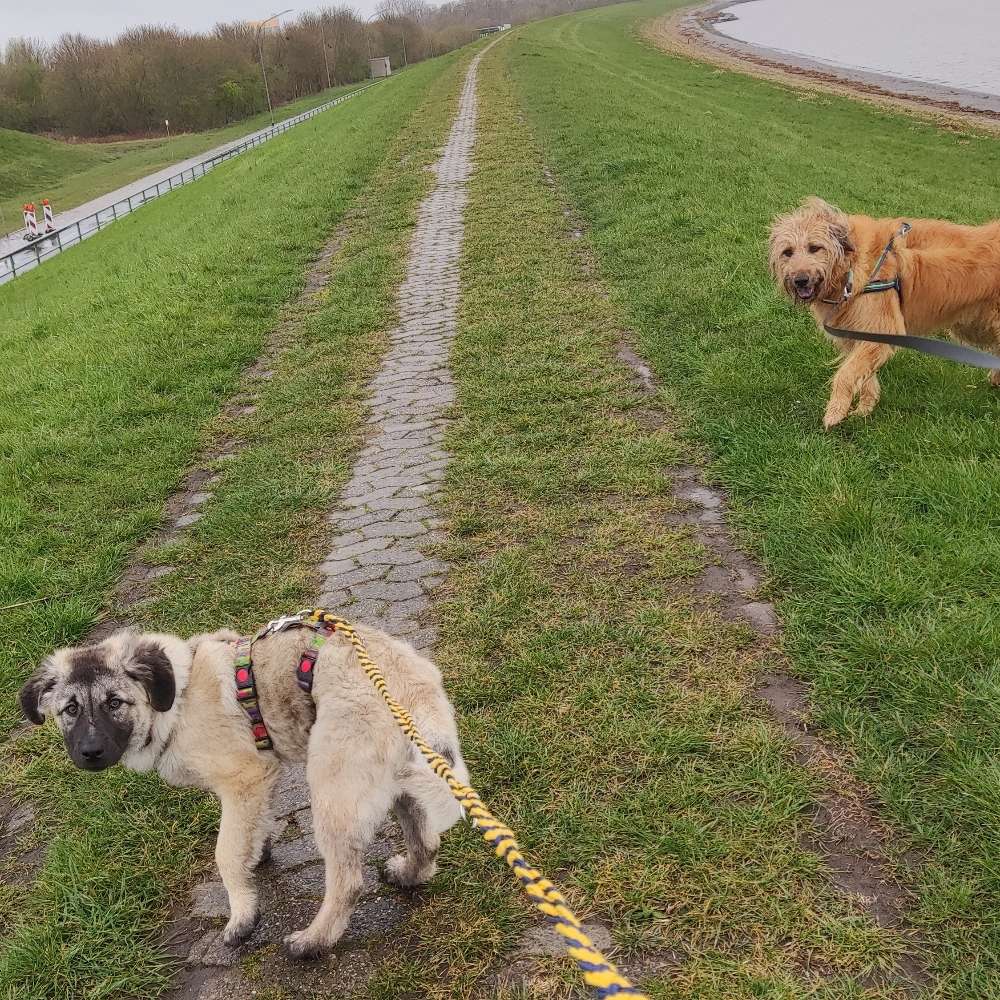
x,y
598,973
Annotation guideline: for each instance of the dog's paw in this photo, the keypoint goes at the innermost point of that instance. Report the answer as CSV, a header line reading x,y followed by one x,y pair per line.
x,y
399,871
238,930
301,946
834,415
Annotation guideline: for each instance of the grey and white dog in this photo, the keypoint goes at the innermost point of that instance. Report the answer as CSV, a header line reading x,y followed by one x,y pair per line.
x,y
157,702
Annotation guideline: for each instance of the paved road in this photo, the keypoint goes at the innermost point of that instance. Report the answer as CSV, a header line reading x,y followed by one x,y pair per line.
x,y
110,206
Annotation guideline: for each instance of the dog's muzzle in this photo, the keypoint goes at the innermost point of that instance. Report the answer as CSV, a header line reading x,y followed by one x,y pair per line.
x,y
804,288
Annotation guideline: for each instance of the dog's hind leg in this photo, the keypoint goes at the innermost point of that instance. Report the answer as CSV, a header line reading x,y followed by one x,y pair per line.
x,y
424,809
352,788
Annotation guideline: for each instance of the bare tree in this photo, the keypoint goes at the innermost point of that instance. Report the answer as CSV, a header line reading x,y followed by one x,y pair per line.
x,y
82,86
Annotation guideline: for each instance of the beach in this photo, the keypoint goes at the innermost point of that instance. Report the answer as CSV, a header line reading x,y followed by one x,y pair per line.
x,y
707,31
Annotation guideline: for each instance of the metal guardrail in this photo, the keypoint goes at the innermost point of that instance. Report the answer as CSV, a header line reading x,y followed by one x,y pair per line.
x,y
32,254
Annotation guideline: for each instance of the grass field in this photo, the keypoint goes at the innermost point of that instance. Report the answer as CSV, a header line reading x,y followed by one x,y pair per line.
x,y
33,167
109,430
880,538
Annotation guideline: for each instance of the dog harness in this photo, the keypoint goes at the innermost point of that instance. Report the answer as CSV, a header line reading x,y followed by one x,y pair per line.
x,y
926,345
246,687
893,284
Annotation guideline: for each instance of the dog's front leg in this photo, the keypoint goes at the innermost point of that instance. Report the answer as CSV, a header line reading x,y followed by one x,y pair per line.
x,y
858,371
237,851
868,396
856,377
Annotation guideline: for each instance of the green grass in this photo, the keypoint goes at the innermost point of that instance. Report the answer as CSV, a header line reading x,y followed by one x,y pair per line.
x,y
603,708
104,408
33,167
881,538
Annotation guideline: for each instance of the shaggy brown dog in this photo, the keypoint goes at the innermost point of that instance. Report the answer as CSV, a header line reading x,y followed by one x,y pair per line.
x,y
950,277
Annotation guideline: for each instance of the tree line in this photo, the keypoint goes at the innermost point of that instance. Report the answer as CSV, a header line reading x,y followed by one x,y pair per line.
x,y
89,87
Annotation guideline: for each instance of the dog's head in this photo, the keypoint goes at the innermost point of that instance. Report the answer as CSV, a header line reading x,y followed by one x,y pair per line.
x,y
105,698
809,250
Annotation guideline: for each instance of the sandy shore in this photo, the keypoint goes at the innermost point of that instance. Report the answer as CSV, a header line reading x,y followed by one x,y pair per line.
x,y
692,31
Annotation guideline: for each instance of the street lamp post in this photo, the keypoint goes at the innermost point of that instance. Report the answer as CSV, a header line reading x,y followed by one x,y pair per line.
x,y
326,61
260,51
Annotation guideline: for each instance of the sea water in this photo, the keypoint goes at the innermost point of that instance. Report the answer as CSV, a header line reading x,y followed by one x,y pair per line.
x,y
954,44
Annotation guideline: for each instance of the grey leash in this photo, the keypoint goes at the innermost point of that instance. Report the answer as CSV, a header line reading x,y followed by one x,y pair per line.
x,y
940,348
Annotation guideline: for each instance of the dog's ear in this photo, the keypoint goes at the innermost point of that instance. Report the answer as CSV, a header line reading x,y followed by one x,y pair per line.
x,y
151,667
35,691
837,221
840,230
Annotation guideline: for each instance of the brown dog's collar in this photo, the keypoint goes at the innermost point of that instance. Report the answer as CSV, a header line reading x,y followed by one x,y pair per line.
x,y
846,294
874,285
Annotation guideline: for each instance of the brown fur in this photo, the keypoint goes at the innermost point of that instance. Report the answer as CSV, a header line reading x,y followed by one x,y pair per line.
x,y
950,276
358,763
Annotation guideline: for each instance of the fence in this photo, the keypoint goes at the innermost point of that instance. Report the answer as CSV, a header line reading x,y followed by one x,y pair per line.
x,y
32,254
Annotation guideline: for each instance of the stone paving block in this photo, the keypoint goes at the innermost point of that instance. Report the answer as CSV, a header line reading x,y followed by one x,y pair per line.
x,y
363,574
382,590
396,528
394,555
366,610
334,567
210,900
369,544
293,853
416,570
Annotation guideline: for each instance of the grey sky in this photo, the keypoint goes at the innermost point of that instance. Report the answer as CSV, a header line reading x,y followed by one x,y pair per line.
x,y
105,18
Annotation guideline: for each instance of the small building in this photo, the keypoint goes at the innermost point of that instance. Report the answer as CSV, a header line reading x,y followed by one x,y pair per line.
x,y
379,66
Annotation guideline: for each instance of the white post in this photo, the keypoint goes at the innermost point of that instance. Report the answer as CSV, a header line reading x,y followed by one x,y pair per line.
x,y
31,221
47,211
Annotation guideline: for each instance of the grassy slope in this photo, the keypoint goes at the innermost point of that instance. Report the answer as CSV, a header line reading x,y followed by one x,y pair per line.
x,y
603,708
68,174
121,393
881,537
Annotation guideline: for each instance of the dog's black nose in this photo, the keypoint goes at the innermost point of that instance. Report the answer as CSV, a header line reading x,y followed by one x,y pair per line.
x,y
93,753
801,281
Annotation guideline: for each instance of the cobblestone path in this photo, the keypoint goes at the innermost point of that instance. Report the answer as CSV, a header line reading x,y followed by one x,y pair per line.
x,y
379,570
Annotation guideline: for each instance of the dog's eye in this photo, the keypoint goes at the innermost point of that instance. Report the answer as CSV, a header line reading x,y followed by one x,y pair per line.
x,y
72,709
115,703
787,252
814,249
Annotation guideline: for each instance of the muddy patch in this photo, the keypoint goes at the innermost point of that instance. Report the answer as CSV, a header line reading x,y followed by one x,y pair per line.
x,y
845,829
